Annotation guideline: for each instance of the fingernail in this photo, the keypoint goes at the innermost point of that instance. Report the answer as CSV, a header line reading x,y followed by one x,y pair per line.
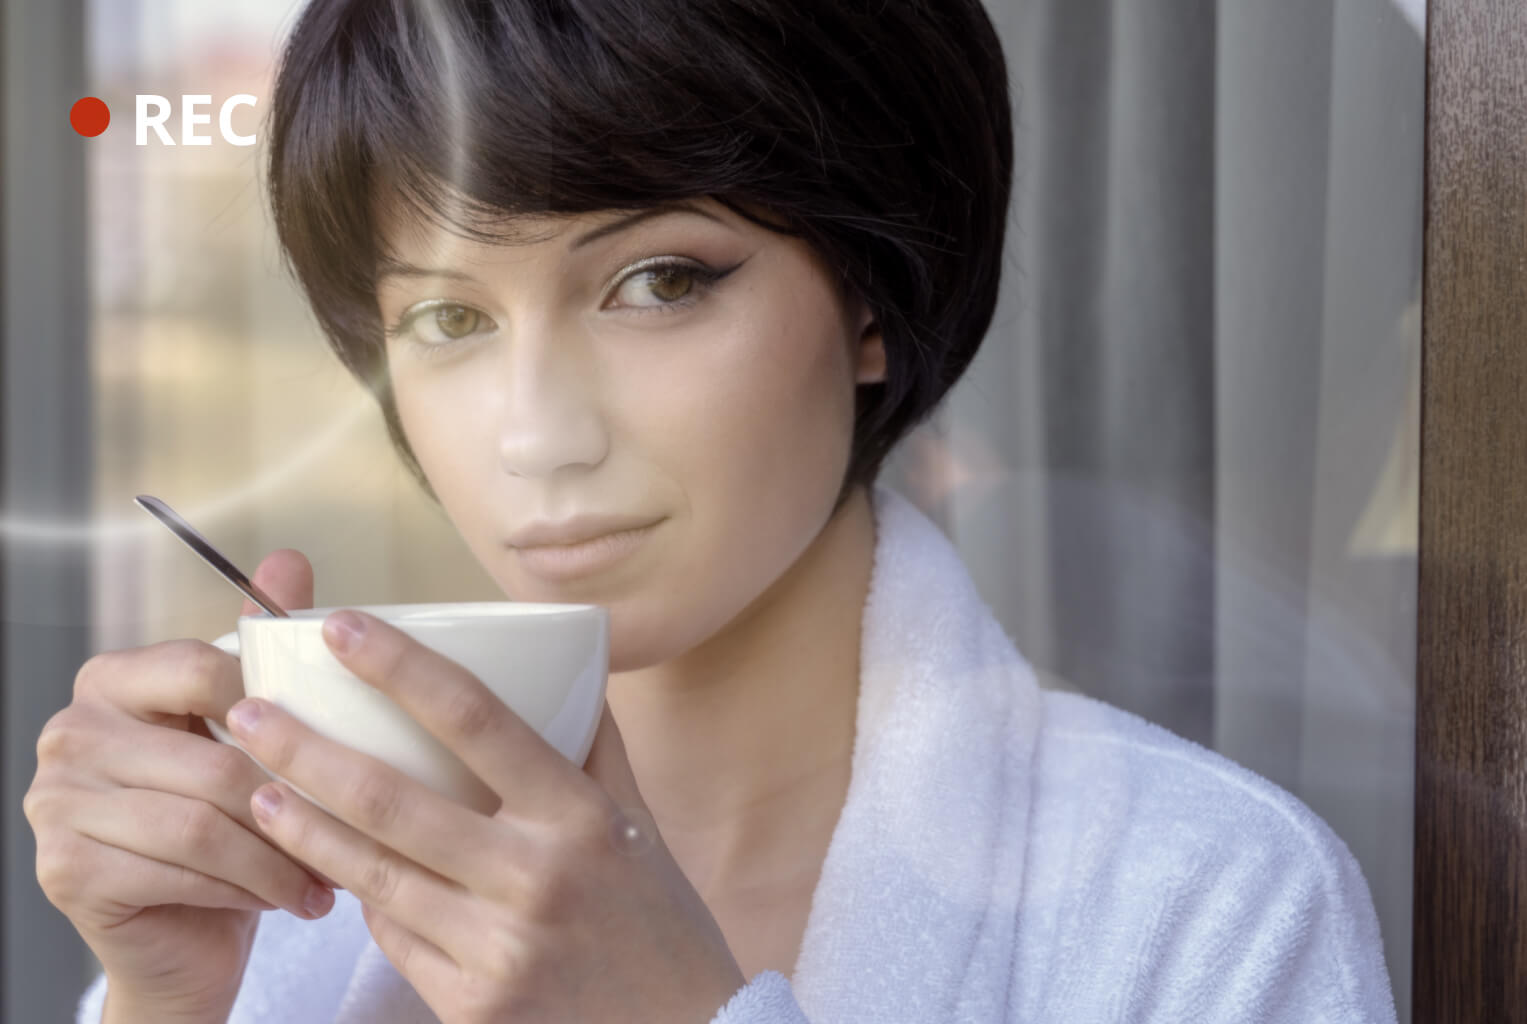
x,y
344,631
267,801
318,901
244,716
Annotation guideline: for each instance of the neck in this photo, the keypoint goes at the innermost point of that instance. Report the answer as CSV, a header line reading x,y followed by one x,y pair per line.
x,y
742,745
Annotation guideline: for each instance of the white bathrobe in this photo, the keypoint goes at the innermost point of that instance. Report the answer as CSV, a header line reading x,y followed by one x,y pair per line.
x,y
1004,854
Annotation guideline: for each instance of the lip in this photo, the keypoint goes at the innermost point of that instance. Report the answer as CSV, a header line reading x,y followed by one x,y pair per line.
x,y
556,562
575,530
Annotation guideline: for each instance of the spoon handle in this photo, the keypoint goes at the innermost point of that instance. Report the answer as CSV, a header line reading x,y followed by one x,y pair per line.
x,y
199,544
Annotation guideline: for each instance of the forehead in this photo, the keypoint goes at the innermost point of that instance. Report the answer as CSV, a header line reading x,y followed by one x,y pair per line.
x,y
454,232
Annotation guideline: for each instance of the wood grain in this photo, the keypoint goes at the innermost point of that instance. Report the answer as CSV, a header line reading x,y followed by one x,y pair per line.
x,y
1470,954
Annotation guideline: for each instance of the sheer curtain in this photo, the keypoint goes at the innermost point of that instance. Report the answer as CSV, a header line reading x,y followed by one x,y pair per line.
x,y
1184,467
1182,471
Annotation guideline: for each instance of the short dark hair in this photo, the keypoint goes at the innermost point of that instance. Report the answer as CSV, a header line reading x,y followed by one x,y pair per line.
x,y
880,131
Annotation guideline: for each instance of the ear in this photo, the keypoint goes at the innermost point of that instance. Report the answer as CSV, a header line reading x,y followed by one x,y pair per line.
x,y
870,353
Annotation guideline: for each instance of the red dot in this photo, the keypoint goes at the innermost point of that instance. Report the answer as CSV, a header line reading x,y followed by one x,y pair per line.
x,y
89,117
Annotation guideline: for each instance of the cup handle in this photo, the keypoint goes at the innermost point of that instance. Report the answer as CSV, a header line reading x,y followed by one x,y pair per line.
x,y
228,642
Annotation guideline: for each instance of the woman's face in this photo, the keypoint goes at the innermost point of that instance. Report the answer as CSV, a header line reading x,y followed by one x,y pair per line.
x,y
692,369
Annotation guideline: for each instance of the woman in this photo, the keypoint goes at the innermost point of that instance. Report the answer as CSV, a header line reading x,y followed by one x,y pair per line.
x,y
694,267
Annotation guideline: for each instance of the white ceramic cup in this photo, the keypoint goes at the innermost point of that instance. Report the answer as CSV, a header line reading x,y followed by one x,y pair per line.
x,y
548,662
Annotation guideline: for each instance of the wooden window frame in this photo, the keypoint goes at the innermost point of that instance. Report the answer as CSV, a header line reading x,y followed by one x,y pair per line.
x,y
1470,910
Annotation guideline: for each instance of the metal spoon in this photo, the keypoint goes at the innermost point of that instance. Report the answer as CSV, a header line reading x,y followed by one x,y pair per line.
x,y
211,555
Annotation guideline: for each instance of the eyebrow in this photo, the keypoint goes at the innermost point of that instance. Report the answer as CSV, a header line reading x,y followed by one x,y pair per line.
x,y
396,268
631,220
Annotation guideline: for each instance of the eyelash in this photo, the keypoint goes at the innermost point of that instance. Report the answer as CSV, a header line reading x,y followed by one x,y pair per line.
x,y
704,277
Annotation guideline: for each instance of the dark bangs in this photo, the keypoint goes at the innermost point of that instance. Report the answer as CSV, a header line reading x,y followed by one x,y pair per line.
x,y
879,132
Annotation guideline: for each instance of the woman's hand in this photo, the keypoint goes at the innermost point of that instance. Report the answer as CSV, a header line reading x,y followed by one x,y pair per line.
x,y
563,905
145,839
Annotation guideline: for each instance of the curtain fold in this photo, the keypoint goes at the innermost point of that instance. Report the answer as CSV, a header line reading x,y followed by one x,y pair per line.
x,y
1183,468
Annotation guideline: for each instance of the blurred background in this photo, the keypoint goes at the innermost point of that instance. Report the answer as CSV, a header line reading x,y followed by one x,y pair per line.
x,y
1183,470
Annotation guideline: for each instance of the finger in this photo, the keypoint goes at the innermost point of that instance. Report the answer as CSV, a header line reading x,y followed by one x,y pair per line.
x,y
370,796
433,975
530,776
149,757
175,830
162,682
137,881
434,908
287,576
143,756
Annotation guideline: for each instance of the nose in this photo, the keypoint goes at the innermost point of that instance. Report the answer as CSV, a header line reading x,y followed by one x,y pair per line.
x,y
550,412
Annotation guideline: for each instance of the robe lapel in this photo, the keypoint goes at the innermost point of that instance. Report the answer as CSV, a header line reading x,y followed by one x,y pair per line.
x,y
913,917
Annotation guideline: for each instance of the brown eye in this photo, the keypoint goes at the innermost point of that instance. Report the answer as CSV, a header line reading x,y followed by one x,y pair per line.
x,y
457,321
669,286
664,286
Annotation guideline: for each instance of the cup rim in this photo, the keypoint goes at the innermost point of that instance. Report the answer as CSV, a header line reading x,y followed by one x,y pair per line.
x,y
422,612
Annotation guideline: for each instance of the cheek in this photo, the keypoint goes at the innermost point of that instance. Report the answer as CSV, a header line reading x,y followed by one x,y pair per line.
x,y
449,433
429,416
777,406
783,423
758,479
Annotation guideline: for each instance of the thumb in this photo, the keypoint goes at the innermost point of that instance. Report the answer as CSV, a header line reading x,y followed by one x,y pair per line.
x,y
610,767
633,830
287,576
